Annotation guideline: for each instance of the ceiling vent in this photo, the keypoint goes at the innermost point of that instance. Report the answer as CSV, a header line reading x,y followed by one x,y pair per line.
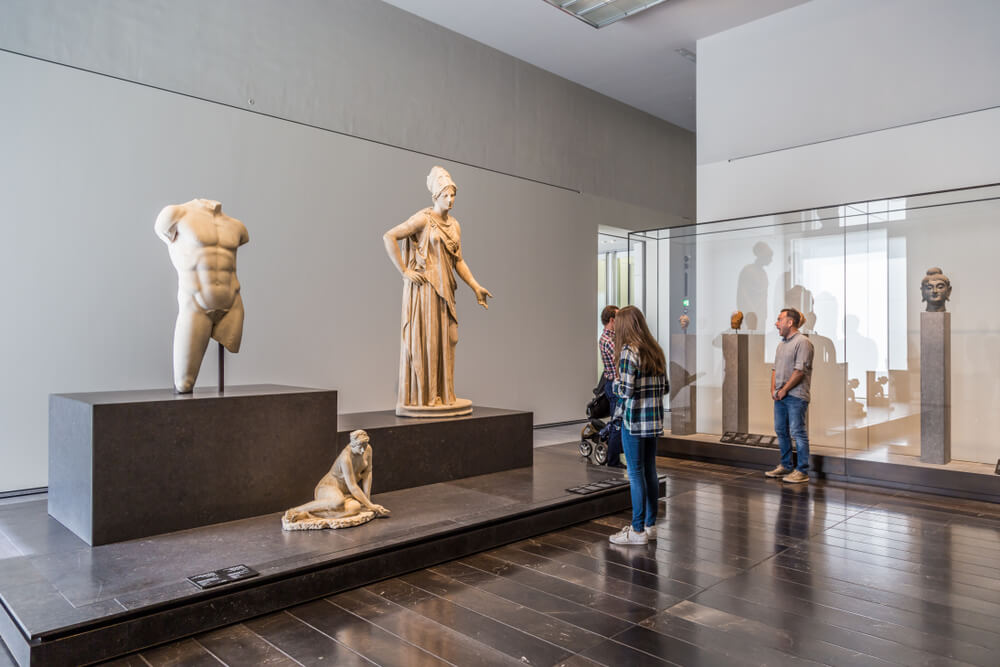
x,y
599,13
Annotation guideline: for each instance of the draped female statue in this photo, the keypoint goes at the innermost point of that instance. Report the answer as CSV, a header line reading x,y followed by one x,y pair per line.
x,y
430,256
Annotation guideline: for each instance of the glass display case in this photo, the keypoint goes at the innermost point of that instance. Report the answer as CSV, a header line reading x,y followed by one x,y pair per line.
x,y
891,382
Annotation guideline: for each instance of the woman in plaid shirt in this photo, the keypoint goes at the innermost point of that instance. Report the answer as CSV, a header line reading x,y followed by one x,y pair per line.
x,y
642,383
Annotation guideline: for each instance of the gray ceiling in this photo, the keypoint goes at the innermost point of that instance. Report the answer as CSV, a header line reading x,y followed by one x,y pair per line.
x,y
634,61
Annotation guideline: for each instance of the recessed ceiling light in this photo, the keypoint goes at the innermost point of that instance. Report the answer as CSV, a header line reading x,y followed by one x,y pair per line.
x,y
599,13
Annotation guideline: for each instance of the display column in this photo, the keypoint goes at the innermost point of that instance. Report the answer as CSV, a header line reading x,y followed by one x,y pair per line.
x,y
683,353
736,383
935,387
683,339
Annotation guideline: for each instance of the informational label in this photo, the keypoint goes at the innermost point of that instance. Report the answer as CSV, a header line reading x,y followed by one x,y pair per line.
x,y
226,575
603,485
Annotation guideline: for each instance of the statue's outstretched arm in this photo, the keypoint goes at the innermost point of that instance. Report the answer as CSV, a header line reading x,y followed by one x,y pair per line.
x,y
465,273
360,495
366,482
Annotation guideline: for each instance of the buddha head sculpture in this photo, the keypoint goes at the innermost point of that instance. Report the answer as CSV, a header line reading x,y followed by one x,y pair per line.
x,y
935,289
736,320
685,321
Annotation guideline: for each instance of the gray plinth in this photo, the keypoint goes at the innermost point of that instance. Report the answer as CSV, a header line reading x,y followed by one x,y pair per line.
x,y
935,387
683,407
736,383
411,452
130,464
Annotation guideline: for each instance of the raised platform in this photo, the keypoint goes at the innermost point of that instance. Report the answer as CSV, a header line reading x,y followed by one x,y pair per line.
x,y
830,463
65,602
411,452
130,464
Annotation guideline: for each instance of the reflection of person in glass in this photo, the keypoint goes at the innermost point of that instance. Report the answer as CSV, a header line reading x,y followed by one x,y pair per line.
x,y
641,384
751,286
431,255
790,380
935,289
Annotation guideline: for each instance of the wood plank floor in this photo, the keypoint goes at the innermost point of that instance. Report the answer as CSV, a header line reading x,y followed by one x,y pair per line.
x,y
746,571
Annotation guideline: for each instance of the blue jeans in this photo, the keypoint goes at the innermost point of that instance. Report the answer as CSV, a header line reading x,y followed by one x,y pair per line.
x,y
640,455
790,419
615,441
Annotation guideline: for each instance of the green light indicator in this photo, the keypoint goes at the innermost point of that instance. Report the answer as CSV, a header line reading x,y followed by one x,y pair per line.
x,y
686,302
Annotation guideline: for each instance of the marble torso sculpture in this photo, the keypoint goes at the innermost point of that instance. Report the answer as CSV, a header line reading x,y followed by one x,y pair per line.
x,y
736,320
431,256
935,289
343,497
202,241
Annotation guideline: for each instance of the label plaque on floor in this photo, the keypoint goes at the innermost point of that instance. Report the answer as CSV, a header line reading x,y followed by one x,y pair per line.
x,y
226,575
603,485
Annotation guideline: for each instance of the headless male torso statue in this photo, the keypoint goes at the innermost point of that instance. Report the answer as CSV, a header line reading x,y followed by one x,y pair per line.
x,y
203,241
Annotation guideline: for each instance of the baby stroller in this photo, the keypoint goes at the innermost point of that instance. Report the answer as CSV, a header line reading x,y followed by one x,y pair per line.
x,y
596,433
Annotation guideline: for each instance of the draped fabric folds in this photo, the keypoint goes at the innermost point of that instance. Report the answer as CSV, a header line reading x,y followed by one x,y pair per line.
x,y
429,322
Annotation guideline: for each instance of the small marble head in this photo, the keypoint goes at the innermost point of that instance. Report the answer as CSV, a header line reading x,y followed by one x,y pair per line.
x,y
935,289
685,321
736,319
359,441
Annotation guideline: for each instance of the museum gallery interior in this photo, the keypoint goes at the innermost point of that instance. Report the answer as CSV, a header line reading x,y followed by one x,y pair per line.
x,y
379,437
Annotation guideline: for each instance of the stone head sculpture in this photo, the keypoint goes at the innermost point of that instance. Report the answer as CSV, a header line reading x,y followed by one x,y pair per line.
x,y
736,319
685,321
935,289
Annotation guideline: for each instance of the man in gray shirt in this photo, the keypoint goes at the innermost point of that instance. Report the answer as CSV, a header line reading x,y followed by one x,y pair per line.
x,y
790,379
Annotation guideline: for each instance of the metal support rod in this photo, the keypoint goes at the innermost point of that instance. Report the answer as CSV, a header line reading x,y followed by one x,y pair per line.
x,y
222,368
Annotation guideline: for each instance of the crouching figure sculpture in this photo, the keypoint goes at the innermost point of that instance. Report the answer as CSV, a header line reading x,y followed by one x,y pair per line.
x,y
342,497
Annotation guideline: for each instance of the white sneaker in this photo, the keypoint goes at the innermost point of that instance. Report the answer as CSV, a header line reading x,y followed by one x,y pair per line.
x,y
650,532
628,536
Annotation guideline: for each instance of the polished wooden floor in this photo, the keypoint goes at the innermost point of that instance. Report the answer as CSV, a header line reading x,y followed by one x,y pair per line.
x,y
746,571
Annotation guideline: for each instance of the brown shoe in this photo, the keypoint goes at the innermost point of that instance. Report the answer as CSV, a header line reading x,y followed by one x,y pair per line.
x,y
777,472
796,477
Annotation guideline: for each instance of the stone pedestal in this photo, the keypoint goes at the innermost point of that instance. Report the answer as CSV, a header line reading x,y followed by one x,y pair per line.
x,y
935,387
414,452
736,383
130,464
683,356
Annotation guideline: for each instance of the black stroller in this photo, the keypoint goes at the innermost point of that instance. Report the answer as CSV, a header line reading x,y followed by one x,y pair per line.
x,y
596,433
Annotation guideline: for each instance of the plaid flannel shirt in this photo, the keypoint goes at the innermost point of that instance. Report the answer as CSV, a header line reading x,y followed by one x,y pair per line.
x,y
607,347
642,406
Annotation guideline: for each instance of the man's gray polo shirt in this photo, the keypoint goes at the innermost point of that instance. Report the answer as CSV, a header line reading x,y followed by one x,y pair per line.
x,y
794,353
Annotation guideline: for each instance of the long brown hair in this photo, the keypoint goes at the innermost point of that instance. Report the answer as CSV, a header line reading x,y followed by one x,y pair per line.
x,y
631,330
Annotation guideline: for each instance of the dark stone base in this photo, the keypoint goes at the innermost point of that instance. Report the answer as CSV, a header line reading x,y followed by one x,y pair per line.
x,y
65,603
130,464
941,481
408,452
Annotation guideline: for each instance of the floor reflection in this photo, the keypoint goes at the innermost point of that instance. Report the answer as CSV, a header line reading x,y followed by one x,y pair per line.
x,y
744,571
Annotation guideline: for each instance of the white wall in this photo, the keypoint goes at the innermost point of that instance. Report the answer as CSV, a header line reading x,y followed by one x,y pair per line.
x,y
88,161
368,69
848,73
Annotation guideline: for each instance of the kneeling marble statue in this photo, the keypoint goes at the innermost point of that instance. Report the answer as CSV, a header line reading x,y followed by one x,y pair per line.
x,y
343,496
